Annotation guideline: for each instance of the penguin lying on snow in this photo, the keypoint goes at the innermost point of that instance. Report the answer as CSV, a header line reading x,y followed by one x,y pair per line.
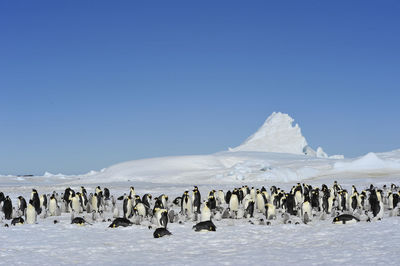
x,y
205,226
120,222
160,232
18,220
345,219
79,221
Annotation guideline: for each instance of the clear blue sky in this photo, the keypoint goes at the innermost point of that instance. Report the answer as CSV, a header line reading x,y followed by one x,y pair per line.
x,y
86,84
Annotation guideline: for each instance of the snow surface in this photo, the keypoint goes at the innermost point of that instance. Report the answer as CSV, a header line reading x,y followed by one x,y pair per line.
x,y
272,156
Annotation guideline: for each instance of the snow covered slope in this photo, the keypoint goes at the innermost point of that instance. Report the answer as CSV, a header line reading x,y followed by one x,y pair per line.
x,y
277,134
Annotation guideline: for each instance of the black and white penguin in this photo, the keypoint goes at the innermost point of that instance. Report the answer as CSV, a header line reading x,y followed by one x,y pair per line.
x,y
17,221
7,208
146,199
161,217
234,203
290,204
36,201
140,209
132,192
120,222
250,209
31,214
78,220
53,206
127,207
270,211
205,212
68,194
196,199
106,194
43,202
345,219
260,201
205,226
228,196
160,232
186,204
22,205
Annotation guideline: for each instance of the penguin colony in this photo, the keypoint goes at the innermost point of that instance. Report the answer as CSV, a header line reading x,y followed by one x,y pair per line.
x,y
302,204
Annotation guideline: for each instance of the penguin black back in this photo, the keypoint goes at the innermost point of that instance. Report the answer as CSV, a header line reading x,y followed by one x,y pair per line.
x,y
205,226
120,222
160,232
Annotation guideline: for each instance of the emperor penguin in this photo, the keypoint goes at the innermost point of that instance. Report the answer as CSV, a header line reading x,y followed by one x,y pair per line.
x,y
132,192
196,199
7,208
21,206
146,201
306,210
234,203
260,202
186,204
298,197
161,216
270,212
345,219
106,194
43,202
164,200
127,207
220,196
140,209
205,226
36,201
31,213
205,212
212,202
253,194
53,205
160,232
75,204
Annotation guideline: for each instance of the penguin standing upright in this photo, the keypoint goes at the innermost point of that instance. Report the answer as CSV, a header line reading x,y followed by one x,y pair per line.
x,y
76,204
7,208
205,212
53,206
36,201
161,216
260,201
234,203
306,209
196,200
43,202
186,204
132,192
21,206
127,207
31,213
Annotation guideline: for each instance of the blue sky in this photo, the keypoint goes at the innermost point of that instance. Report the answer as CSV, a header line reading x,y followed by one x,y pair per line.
x,y
86,84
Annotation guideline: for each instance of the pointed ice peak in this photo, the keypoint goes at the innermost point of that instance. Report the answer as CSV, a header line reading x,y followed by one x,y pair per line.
x,y
277,134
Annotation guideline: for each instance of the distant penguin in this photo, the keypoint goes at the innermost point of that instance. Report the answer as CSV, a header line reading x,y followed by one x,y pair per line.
x,y
345,219
161,216
234,203
132,192
78,220
205,212
186,204
196,199
53,206
306,211
205,226
160,232
120,222
43,202
17,221
270,212
260,202
140,209
106,194
36,201
250,209
22,205
31,214
75,204
7,208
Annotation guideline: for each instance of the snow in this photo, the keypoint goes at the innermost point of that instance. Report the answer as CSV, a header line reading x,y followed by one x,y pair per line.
x,y
274,155
277,134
